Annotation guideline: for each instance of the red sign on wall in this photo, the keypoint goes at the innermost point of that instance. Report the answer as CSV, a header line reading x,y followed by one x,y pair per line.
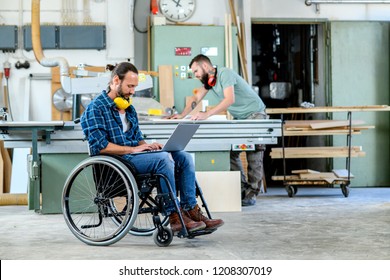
x,y
183,51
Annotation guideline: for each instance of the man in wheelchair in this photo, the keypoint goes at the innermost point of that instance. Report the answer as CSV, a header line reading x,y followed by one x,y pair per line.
x,y
110,124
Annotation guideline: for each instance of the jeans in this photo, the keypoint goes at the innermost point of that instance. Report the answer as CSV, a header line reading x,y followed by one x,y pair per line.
x,y
252,185
179,169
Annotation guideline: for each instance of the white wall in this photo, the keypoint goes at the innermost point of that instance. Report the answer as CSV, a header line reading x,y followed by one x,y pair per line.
x,y
120,46
298,9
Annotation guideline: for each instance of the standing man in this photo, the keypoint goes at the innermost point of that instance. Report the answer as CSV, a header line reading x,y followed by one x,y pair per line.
x,y
242,102
110,124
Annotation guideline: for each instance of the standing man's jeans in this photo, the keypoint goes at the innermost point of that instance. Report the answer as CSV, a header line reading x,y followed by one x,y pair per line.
x,y
250,187
179,169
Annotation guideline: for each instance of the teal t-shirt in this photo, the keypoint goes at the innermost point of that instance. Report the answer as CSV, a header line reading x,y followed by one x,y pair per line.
x,y
246,99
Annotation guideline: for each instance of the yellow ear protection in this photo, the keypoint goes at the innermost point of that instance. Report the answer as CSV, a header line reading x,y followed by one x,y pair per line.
x,y
122,103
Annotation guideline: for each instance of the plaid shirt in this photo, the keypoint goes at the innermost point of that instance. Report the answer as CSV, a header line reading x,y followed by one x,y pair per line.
x,y
101,124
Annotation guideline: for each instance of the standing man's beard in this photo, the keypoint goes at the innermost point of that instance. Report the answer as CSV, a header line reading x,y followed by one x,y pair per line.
x,y
205,81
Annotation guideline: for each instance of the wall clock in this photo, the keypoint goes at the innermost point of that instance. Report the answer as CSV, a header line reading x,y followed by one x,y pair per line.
x,y
177,10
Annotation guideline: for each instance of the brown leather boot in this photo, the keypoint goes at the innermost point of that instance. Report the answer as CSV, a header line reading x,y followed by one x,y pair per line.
x,y
197,215
191,226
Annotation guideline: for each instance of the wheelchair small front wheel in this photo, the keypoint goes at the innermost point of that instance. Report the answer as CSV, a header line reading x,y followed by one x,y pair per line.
x,y
163,236
144,224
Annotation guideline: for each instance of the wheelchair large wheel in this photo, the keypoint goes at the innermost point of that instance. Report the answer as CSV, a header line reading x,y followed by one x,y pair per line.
x,y
100,200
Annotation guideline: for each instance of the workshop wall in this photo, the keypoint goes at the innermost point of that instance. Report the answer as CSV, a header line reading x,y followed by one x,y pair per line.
x,y
30,99
27,95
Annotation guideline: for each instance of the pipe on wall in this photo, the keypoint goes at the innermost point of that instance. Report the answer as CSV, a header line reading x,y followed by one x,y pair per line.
x,y
309,2
37,48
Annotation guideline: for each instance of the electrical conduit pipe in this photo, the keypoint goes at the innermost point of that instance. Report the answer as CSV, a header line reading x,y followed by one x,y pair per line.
x,y
37,48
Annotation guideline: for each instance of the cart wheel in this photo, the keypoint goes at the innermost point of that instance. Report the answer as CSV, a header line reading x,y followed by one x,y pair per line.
x,y
345,190
163,237
290,191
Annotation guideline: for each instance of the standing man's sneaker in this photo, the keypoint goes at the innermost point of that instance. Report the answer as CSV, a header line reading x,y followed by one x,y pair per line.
x,y
249,200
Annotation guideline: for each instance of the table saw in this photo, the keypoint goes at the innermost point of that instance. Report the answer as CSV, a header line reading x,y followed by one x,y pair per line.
x,y
57,146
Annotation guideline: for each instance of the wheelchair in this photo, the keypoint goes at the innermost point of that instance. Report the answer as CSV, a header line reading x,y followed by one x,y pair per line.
x,y
104,199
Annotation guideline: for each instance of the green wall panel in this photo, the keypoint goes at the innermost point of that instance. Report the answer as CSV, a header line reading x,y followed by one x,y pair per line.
x,y
360,76
164,40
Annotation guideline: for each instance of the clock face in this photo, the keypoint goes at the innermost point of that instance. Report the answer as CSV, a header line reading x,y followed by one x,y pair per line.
x,y
177,10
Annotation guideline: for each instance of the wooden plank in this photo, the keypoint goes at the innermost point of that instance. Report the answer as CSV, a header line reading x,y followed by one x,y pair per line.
x,y
1,173
7,168
293,110
334,123
316,152
303,123
296,128
342,173
319,175
363,127
287,177
149,61
221,189
166,90
240,44
303,171
315,182
312,132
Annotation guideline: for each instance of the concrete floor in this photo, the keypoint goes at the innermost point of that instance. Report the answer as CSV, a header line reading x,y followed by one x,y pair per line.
x,y
319,223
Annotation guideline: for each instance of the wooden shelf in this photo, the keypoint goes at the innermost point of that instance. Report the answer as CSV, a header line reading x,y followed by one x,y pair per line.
x,y
294,110
316,152
319,132
322,127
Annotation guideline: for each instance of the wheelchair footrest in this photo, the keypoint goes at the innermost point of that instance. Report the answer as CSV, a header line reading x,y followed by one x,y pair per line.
x,y
201,232
196,233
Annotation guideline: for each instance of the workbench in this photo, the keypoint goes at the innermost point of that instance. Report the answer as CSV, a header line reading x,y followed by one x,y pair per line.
x,y
58,146
27,134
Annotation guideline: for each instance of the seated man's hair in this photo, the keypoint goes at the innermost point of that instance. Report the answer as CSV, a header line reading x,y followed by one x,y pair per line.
x,y
121,69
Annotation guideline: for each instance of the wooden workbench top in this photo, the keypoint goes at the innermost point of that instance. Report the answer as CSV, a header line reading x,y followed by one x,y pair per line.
x,y
292,110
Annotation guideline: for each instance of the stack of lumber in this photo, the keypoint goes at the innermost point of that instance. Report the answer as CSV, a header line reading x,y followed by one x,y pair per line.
x,y
317,152
323,127
313,175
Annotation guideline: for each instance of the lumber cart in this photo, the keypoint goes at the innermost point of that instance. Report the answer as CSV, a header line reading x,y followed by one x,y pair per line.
x,y
308,177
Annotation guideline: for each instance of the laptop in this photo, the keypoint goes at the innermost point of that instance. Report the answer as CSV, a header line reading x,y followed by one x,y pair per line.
x,y
178,140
